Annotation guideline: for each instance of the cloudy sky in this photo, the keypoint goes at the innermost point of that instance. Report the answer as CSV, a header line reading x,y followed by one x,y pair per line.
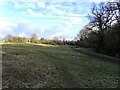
x,y
46,18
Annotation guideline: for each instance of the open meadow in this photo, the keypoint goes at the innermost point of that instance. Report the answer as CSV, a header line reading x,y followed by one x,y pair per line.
x,y
54,66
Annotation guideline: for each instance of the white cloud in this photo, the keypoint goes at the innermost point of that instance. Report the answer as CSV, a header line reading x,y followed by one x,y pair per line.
x,y
59,0
55,10
1,36
77,15
21,35
68,21
23,20
17,5
6,24
60,12
2,2
30,12
24,13
25,5
26,1
62,34
76,21
94,1
41,4
51,7
58,34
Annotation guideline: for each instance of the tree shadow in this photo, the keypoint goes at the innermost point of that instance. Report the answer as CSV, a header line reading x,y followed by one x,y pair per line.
x,y
98,55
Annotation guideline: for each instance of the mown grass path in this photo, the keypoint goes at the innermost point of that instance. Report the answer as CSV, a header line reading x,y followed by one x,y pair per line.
x,y
39,66
69,78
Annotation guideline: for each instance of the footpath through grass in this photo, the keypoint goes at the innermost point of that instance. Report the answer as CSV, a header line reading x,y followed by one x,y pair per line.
x,y
39,66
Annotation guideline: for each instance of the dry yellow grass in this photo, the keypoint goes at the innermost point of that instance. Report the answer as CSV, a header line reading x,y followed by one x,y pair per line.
x,y
47,45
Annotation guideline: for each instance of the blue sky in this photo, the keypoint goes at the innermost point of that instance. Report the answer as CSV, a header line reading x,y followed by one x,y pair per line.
x,y
46,18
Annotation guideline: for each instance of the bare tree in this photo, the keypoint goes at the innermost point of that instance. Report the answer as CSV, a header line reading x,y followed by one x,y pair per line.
x,y
9,38
34,38
103,16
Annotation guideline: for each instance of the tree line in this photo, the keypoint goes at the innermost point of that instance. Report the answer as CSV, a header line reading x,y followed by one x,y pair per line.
x,y
34,39
102,33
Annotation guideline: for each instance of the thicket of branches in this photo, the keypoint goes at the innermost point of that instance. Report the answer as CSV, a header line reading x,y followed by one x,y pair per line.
x,y
103,31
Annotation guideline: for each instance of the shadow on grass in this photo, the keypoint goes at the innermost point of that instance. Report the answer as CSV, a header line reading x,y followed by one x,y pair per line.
x,y
101,57
97,55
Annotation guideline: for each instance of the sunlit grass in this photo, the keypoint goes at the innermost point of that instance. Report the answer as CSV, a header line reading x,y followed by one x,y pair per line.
x,y
47,45
2,43
2,52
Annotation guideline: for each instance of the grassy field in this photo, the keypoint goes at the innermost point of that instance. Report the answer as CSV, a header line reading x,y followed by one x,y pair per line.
x,y
44,66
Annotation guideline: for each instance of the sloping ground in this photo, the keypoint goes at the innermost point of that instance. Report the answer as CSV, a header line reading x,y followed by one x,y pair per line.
x,y
38,66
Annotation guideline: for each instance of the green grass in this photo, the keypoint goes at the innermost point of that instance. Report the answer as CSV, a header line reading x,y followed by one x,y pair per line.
x,y
41,66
